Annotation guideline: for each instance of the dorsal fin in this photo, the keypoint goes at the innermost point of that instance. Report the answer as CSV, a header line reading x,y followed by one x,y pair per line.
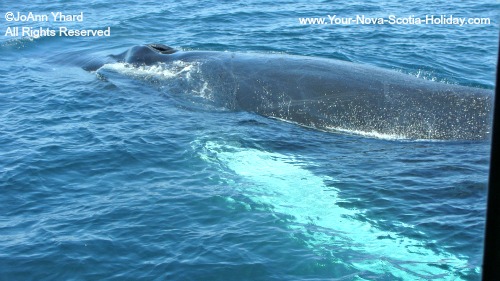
x,y
163,49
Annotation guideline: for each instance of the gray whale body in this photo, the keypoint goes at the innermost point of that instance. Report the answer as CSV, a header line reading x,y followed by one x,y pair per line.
x,y
334,95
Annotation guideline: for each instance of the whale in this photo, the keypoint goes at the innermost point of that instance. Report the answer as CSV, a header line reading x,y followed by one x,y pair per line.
x,y
325,94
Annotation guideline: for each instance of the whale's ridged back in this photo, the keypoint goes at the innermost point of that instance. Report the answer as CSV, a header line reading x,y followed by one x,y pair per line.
x,y
325,93
333,95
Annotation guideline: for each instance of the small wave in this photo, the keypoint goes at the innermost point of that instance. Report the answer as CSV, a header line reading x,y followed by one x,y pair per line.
x,y
426,75
383,136
18,42
368,134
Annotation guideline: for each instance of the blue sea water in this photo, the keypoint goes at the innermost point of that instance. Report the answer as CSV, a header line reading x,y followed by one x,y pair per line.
x,y
104,176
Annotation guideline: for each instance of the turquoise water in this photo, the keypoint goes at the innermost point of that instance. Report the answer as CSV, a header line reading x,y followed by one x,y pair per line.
x,y
107,176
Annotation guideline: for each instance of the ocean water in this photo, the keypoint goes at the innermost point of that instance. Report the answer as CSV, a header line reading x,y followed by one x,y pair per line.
x,y
105,175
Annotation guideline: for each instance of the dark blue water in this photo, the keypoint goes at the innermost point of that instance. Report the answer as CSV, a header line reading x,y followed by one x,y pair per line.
x,y
104,176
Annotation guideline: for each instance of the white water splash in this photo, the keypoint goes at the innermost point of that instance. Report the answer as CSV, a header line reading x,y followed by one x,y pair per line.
x,y
177,69
177,77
